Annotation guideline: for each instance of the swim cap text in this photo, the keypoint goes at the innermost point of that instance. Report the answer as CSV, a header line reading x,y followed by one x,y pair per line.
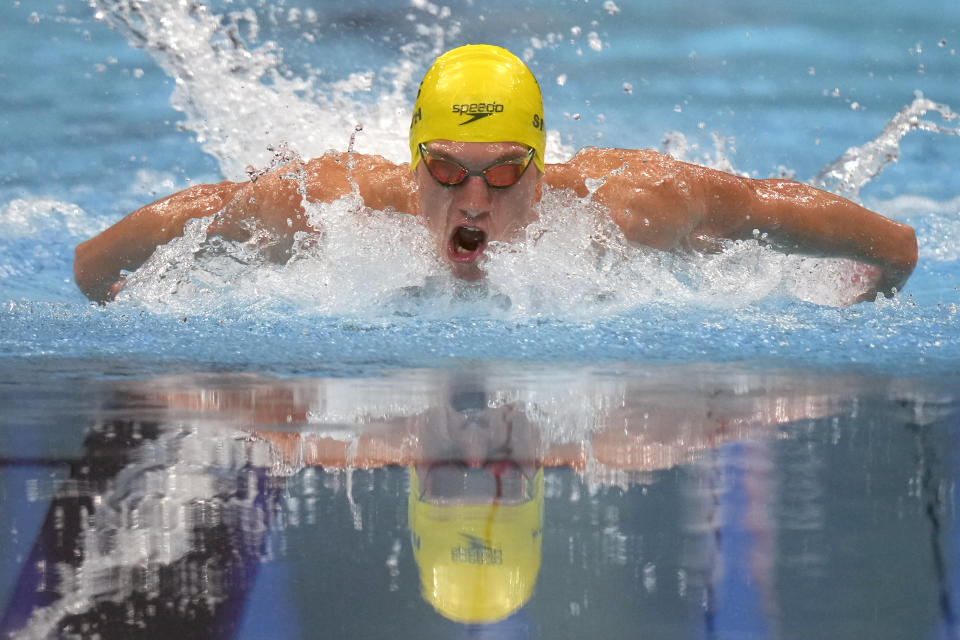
x,y
478,107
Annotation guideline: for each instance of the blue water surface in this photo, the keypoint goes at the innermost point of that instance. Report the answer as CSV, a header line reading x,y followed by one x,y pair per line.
x,y
87,122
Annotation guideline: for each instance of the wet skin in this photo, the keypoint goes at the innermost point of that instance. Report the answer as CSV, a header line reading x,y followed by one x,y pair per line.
x,y
464,219
655,200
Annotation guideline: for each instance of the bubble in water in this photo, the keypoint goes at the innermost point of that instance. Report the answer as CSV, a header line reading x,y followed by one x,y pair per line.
x,y
611,7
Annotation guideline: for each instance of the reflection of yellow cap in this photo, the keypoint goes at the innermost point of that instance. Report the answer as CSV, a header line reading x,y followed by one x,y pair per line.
x,y
478,562
478,93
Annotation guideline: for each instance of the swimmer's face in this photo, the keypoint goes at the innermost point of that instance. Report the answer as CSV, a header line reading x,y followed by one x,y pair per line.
x,y
478,435
466,217
467,433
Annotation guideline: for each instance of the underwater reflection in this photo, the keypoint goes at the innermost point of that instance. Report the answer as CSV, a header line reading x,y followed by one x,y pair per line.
x,y
187,495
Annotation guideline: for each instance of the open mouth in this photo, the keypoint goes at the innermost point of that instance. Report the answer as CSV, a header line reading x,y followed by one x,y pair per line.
x,y
467,243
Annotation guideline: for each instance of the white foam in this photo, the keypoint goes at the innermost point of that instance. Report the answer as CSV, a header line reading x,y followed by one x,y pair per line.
x,y
358,259
46,217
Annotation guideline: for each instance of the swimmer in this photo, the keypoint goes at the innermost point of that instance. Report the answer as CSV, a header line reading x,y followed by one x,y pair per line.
x,y
476,171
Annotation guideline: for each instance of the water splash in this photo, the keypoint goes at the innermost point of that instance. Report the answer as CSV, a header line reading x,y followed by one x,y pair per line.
x,y
44,217
848,174
239,99
675,143
572,263
346,268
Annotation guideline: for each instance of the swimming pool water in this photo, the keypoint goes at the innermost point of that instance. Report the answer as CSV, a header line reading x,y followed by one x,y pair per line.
x,y
714,501
833,472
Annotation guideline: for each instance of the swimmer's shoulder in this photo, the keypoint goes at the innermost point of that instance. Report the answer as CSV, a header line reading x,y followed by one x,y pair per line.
x,y
382,183
597,162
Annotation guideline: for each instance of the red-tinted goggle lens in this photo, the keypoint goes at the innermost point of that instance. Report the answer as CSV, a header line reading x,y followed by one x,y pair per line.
x,y
500,175
456,481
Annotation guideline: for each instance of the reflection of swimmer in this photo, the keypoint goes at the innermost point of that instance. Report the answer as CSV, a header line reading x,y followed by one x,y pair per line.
x,y
476,536
476,506
477,142
203,491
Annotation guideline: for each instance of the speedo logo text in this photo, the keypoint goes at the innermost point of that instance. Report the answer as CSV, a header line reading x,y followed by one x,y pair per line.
x,y
477,110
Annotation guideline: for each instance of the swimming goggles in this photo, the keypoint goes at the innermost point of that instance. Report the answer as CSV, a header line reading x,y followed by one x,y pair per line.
x,y
503,481
499,175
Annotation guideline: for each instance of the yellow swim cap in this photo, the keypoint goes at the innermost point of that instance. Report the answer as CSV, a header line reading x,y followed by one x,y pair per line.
x,y
478,562
478,93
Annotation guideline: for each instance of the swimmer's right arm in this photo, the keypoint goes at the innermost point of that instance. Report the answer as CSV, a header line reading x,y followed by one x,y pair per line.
x,y
273,201
99,262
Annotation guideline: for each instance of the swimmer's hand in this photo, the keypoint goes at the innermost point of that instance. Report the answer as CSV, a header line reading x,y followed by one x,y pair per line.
x,y
876,280
116,288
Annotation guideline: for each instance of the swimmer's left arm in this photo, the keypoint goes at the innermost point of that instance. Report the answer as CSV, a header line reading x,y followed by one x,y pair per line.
x,y
648,194
802,219
663,203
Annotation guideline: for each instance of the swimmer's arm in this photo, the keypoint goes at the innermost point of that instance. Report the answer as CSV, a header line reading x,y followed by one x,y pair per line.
x,y
802,219
648,194
99,262
274,202
663,203
276,199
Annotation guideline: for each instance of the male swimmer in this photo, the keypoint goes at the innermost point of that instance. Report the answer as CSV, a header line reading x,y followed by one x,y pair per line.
x,y
477,142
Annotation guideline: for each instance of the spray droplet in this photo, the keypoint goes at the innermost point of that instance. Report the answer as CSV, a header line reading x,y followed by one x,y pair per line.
x,y
594,40
353,137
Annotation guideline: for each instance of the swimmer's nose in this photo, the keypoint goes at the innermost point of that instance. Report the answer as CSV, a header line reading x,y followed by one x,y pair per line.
x,y
474,197
475,444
